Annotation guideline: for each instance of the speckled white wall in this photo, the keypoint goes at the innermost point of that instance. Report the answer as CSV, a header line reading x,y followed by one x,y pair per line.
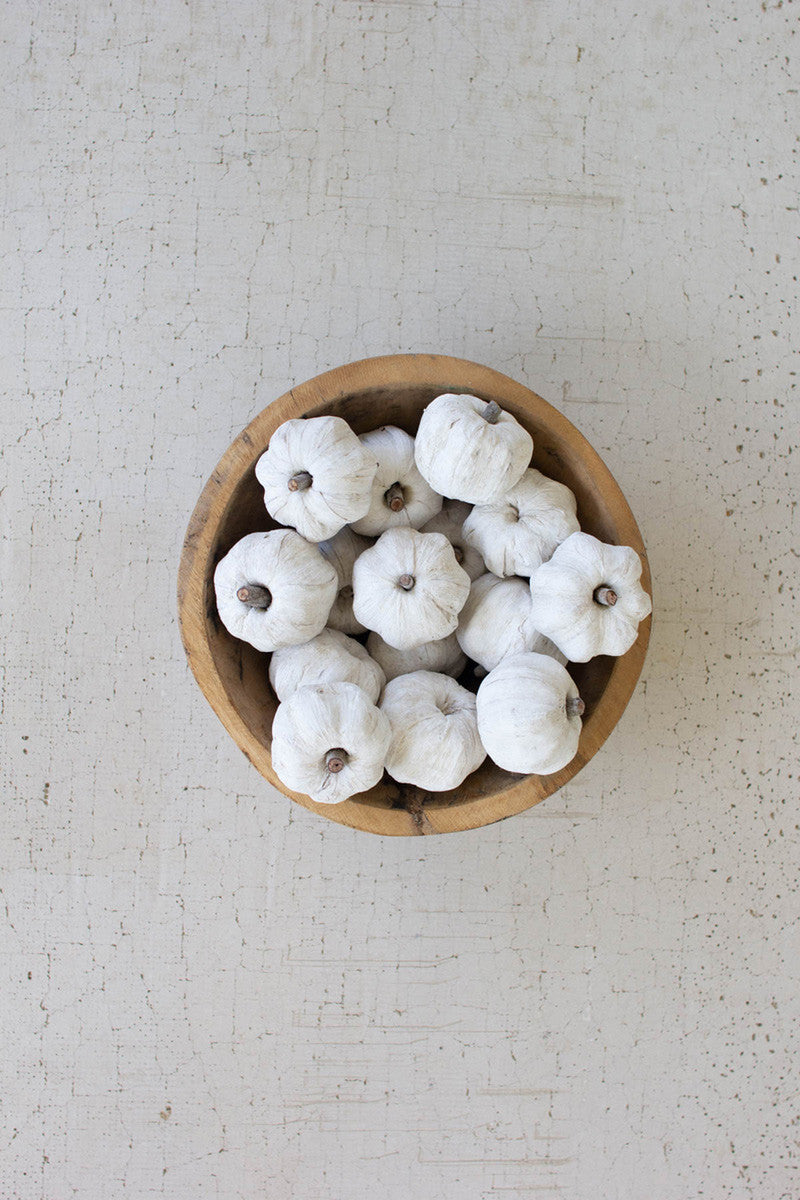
x,y
206,990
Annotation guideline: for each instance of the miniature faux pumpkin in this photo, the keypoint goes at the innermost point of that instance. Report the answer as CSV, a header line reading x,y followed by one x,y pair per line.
x,y
496,622
342,550
409,588
316,476
329,742
274,589
588,597
444,656
471,450
529,714
516,534
400,496
435,742
450,522
330,657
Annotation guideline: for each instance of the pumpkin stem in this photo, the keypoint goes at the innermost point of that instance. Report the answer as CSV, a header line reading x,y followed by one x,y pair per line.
x,y
300,481
336,760
254,595
346,592
459,553
406,582
492,412
605,595
395,498
575,706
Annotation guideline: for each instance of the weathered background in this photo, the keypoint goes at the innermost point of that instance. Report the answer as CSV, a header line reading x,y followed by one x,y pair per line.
x,y
211,992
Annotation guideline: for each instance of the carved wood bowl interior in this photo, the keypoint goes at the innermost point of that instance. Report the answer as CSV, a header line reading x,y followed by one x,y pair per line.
x,y
233,676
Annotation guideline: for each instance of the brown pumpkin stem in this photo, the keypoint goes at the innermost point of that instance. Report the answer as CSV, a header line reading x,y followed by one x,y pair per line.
x,y
406,582
336,760
492,412
575,706
605,595
346,592
395,498
459,553
255,595
300,481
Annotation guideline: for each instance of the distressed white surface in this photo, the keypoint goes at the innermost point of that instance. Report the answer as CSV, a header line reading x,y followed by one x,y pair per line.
x,y
207,991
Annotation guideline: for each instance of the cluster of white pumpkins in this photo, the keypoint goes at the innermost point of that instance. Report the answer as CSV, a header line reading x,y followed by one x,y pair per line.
x,y
443,548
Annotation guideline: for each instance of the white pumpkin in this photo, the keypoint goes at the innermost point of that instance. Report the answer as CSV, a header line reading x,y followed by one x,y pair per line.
x,y
329,742
409,588
529,715
435,742
342,551
274,589
517,534
469,449
444,656
316,476
450,522
588,597
330,657
400,496
496,622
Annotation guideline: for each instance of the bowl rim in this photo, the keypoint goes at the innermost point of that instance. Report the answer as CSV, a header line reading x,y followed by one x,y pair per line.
x,y
387,371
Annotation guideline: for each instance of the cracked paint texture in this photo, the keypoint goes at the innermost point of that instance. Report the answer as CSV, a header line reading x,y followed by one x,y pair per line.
x,y
207,991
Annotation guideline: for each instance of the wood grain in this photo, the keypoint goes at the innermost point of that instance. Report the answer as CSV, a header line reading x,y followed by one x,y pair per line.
x,y
233,676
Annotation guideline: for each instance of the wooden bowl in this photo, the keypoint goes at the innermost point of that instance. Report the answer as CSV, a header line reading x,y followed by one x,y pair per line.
x,y
393,391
